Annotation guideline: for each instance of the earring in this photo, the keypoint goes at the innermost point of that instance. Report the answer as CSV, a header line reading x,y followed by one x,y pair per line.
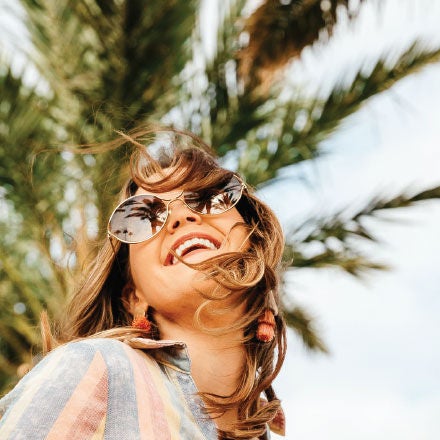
x,y
266,326
266,321
140,321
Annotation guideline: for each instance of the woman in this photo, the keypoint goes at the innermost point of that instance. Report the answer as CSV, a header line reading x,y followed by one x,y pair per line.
x,y
189,271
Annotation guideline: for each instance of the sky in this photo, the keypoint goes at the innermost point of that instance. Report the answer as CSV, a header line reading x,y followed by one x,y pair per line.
x,y
381,380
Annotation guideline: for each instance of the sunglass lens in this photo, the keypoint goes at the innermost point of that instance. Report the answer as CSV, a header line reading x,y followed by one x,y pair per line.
x,y
215,200
138,218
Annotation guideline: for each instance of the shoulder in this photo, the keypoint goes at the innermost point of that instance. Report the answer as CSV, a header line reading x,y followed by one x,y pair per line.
x,y
89,346
96,361
92,357
93,346
79,357
69,363
89,376
86,350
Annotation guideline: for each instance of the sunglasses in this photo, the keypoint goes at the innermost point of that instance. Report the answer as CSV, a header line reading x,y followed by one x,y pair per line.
x,y
143,216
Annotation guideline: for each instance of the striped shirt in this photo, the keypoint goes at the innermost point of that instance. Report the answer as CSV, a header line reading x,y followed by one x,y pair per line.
x,y
106,389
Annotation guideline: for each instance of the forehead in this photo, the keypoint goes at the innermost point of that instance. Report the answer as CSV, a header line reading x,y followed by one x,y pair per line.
x,y
162,195
168,174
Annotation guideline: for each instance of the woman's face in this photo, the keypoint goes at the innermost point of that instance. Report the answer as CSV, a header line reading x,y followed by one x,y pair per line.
x,y
161,280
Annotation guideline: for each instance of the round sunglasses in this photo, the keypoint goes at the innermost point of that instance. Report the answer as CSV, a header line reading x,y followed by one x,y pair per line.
x,y
143,216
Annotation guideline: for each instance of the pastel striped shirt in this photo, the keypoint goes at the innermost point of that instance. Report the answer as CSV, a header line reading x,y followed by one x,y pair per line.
x,y
106,389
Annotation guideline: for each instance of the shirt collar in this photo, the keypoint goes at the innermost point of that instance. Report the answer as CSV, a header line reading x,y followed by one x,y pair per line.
x,y
171,353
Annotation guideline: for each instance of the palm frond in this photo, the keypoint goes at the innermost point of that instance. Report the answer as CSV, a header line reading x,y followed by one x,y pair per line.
x,y
279,31
293,131
347,259
31,199
232,110
27,127
334,241
399,201
121,69
302,323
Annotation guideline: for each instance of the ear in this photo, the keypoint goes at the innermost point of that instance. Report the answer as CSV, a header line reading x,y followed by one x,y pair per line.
x,y
133,301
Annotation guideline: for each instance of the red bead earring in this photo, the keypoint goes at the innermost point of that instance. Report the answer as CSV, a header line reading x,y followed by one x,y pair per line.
x,y
141,322
266,321
266,326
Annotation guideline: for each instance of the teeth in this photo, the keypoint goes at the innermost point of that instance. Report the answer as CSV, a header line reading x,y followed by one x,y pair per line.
x,y
192,242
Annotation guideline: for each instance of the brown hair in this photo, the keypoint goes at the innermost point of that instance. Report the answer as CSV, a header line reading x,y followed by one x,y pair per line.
x,y
97,307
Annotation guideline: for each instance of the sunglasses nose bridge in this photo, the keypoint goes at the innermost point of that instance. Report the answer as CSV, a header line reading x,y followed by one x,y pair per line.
x,y
175,199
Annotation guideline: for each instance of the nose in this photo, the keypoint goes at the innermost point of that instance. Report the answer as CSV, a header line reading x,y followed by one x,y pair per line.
x,y
179,214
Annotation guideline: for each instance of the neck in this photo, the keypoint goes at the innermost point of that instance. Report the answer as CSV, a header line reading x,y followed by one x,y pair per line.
x,y
216,361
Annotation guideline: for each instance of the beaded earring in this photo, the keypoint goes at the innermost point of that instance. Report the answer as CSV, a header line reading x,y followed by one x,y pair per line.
x,y
266,321
266,326
141,322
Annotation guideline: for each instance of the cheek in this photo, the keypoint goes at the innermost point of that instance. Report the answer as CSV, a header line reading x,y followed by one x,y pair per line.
x,y
135,256
143,259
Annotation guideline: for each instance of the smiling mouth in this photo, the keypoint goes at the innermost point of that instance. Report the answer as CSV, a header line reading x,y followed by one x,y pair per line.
x,y
189,245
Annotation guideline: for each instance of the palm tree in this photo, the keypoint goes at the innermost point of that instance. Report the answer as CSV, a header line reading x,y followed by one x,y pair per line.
x,y
106,65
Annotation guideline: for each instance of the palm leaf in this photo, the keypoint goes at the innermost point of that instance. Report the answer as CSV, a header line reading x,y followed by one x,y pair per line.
x,y
334,241
31,221
279,31
285,142
302,323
